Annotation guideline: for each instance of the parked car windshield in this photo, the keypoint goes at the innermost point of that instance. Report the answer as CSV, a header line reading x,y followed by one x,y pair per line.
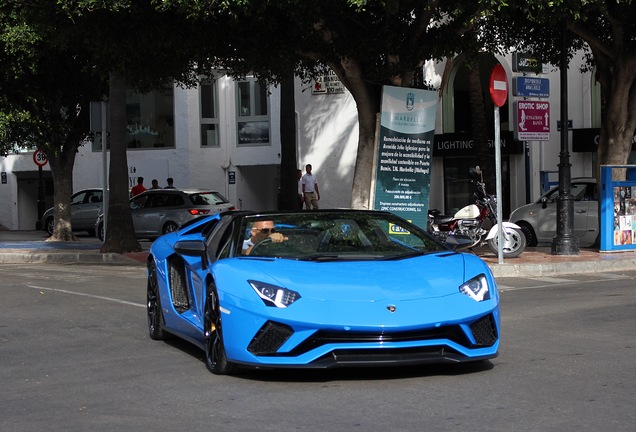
x,y
333,236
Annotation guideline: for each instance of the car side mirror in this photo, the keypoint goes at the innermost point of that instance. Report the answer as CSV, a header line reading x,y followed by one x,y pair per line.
x,y
544,202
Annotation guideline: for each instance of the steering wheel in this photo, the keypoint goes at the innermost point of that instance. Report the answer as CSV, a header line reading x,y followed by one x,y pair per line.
x,y
258,245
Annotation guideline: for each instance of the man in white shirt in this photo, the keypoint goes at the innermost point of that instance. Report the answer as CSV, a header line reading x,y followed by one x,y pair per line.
x,y
310,189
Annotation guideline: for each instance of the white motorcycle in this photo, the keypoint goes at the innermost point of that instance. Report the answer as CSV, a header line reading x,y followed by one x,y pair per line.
x,y
473,221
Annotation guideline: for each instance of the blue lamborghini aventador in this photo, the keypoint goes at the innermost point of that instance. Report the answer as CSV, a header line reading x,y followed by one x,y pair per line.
x,y
319,289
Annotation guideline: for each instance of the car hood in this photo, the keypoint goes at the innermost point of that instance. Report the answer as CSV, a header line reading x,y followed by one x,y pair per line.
x,y
428,276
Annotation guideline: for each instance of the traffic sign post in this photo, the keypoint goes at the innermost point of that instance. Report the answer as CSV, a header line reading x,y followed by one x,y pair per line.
x,y
40,159
499,95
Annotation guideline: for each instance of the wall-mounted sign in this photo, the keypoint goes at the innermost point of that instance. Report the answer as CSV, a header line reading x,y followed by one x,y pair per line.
x,y
531,87
231,177
526,62
3,175
532,121
328,84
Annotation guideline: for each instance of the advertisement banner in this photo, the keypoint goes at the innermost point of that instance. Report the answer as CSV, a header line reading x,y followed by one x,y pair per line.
x,y
403,168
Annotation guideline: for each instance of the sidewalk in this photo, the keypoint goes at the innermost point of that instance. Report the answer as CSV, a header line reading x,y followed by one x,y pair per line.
x,y
32,247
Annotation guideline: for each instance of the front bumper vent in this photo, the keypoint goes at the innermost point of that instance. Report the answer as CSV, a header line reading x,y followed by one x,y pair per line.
x,y
270,338
484,331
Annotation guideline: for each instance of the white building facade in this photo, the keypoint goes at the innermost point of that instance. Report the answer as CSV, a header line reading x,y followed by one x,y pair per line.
x,y
225,135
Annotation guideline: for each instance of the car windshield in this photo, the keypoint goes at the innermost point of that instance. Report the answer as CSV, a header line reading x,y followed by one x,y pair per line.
x,y
325,236
208,198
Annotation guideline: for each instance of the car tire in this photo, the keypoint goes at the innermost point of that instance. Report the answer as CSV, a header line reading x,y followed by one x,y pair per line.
x,y
170,227
100,231
153,305
215,357
50,225
526,229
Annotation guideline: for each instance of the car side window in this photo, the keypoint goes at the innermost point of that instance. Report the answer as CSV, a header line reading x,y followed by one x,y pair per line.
x,y
174,200
138,202
79,198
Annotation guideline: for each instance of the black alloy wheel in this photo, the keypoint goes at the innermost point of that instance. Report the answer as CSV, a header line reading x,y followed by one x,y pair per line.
x,y
155,316
215,357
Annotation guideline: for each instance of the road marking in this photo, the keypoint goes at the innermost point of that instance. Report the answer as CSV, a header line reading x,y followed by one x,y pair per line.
x,y
87,295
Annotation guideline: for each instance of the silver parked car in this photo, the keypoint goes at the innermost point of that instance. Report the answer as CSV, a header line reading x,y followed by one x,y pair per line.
x,y
538,221
86,205
159,211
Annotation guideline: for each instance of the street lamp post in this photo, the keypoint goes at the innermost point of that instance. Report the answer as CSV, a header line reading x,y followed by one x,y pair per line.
x,y
565,242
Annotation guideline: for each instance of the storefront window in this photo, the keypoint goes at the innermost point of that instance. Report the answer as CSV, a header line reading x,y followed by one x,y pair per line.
x,y
150,119
253,114
209,115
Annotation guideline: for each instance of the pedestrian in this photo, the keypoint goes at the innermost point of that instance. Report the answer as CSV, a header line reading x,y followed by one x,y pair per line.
x,y
155,184
301,199
311,193
138,188
170,182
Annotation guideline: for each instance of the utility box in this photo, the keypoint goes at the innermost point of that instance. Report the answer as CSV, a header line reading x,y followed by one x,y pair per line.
x,y
617,209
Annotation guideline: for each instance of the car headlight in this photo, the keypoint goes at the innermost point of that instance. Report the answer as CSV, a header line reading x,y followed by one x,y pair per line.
x,y
274,295
477,288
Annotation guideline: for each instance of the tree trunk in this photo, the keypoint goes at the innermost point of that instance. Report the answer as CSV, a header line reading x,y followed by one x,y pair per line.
x,y
288,191
120,232
617,129
483,155
62,172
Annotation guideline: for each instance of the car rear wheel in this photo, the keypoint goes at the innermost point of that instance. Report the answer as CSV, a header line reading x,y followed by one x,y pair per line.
x,y
155,316
526,229
170,227
215,357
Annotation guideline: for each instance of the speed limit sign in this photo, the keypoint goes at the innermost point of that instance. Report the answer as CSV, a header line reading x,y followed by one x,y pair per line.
x,y
39,157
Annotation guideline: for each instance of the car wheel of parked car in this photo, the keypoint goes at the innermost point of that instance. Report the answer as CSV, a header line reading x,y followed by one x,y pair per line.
x,y
526,229
153,305
215,357
50,225
100,231
170,227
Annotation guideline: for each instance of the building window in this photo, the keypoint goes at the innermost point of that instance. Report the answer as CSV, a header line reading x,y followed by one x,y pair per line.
x,y
209,114
150,119
252,113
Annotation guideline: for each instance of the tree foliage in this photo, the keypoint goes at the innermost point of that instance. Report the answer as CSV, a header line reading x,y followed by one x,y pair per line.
x,y
368,44
606,31
46,83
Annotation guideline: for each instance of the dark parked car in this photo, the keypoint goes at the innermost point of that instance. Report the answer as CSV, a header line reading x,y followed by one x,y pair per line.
x,y
160,211
85,206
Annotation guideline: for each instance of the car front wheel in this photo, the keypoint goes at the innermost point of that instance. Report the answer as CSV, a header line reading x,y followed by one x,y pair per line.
x,y
50,226
528,232
215,357
153,303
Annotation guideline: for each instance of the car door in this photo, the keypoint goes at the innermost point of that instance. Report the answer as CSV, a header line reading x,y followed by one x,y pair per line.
x,y
78,201
85,212
547,216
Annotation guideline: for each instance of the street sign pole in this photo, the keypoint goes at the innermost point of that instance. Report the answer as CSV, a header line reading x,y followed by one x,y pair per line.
x,y
499,94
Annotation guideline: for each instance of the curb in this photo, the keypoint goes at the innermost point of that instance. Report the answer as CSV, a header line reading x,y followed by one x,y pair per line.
x,y
561,268
30,257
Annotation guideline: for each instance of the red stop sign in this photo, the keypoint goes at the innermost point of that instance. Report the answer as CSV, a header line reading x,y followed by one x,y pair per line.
x,y
498,85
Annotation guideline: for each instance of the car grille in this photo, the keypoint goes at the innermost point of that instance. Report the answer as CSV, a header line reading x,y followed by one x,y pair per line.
x,y
273,335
